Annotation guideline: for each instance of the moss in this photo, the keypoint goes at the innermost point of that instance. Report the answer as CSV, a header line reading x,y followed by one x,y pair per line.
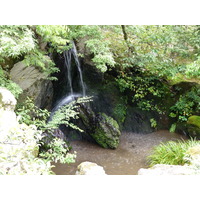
x,y
194,120
110,120
107,132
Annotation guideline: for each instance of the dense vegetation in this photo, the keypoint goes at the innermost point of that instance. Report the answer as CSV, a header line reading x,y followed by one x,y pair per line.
x,y
148,64
172,152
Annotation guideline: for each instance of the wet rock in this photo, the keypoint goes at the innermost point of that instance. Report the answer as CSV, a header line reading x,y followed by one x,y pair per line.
x,y
194,120
90,168
193,126
106,132
102,128
193,131
163,169
33,83
138,121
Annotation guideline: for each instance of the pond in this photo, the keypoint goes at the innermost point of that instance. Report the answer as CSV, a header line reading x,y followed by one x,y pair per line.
x,y
127,159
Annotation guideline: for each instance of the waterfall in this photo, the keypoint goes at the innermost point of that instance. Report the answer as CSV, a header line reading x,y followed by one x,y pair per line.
x,y
67,58
68,64
74,53
70,95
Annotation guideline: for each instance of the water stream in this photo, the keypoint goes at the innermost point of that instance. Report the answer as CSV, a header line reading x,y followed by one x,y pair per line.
x,y
127,159
70,94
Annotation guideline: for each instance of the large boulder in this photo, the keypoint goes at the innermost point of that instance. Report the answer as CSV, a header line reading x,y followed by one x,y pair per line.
x,y
90,168
106,132
163,169
34,84
193,126
102,128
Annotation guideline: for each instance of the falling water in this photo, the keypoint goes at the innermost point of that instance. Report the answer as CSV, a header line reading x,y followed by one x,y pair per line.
x,y
74,52
67,58
70,95
68,64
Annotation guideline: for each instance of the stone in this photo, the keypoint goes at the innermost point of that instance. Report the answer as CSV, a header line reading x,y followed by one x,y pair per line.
x,y
8,119
101,127
163,169
7,99
90,168
194,120
34,84
106,132
192,127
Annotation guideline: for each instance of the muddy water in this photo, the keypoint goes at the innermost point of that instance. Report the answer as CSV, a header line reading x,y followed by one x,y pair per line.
x,y
127,159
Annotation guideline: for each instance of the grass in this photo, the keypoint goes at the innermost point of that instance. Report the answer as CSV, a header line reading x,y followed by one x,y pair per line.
x,y
171,152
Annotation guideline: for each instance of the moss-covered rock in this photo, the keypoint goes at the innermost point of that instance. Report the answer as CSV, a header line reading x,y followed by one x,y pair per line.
x,y
193,126
106,132
194,120
103,129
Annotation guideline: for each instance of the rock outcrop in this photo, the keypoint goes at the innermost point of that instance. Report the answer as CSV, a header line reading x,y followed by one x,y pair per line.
x,y
90,168
193,126
34,84
102,128
106,132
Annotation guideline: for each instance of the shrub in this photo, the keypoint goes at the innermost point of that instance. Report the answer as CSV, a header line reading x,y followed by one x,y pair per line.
x,y
171,152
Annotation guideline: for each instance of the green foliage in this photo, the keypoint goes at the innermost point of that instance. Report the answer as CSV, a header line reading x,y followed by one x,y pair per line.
x,y
57,35
102,54
15,40
171,152
186,105
32,115
19,150
66,113
97,44
57,150
25,42
10,85
146,91
172,128
120,112
38,59
153,123
51,148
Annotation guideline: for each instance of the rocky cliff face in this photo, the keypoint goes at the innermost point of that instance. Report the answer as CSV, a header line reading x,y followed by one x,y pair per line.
x,y
34,84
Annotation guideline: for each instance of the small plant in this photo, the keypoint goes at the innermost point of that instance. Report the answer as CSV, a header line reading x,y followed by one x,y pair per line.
x,y
52,148
171,152
58,151
30,114
172,128
9,84
153,123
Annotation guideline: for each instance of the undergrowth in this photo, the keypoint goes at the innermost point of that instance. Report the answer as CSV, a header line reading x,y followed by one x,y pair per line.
x,y
171,152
